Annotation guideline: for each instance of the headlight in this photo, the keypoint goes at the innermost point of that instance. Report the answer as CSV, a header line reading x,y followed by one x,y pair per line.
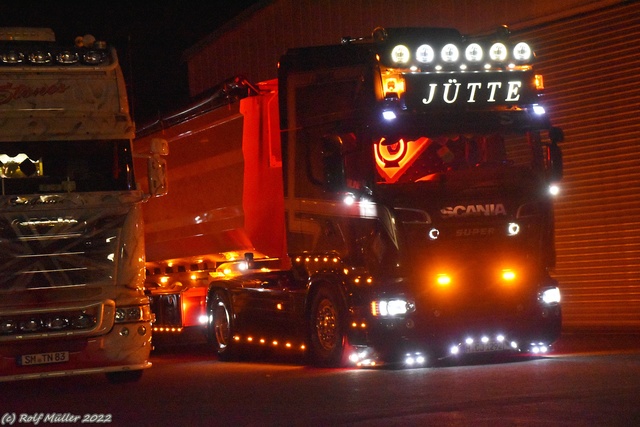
x,y
389,308
133,314
550,296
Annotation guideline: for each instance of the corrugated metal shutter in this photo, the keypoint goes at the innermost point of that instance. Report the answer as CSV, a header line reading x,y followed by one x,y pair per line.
x,y
591,65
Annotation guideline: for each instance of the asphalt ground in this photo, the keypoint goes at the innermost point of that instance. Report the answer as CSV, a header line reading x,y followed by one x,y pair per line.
x,y
597,341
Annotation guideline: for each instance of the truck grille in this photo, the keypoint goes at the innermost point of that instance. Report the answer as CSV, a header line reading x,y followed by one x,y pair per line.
x,y
57,251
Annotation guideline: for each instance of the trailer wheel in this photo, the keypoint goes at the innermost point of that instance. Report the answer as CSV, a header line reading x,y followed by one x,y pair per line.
x,y
326,328
221,326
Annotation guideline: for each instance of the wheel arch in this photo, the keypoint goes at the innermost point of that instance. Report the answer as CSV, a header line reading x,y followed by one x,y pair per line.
x,y
328,279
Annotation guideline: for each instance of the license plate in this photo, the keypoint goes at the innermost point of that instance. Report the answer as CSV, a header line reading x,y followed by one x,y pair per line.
x,y
481,347
43,358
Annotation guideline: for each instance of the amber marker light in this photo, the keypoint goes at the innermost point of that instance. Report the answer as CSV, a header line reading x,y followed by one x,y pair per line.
x,y
508,275
443,279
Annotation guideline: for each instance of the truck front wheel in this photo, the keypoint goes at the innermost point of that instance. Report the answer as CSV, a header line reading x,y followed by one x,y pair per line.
x,y
221,326
326,328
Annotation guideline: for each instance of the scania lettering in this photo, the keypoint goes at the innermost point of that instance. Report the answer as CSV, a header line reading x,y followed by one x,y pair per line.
x,y
71,241
383,201
471,210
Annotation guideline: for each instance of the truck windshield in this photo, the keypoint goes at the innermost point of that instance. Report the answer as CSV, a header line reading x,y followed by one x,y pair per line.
x,y
46,167
416,158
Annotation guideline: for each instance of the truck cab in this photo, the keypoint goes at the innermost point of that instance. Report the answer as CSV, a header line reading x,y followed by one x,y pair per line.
x,y
71,242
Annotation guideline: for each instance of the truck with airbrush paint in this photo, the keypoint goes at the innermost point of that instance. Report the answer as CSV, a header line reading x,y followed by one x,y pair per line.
x,y
388,199
72,298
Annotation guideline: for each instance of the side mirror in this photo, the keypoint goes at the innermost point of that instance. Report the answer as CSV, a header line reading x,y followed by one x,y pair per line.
x,y
157,174
157,167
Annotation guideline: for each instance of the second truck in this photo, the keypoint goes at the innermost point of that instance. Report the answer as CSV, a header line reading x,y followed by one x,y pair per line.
x,y
385,200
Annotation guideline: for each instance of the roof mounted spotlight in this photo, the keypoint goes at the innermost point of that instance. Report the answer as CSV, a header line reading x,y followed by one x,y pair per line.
x,y
503,32
380,34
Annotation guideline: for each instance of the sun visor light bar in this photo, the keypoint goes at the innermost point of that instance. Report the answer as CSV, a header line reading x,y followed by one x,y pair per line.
x,y
448,49
41,52
499,55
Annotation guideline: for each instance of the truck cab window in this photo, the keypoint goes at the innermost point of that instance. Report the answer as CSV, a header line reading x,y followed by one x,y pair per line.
x,y
415,158
66,166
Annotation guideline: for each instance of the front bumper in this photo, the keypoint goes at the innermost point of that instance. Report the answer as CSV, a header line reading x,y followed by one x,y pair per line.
x,y
435,334
125,348
114,339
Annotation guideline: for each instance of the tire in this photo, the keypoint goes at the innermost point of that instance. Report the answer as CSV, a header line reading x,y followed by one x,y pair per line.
x,y
326,328
222,326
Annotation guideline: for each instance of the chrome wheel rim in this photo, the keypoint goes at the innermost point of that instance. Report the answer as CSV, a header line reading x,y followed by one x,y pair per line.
x,y
326,324
222,324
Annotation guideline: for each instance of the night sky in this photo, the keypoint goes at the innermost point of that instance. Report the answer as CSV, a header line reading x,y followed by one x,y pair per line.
x,y
150,36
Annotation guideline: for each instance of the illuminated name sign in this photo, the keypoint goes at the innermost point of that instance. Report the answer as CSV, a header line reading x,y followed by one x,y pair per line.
x,y
426,91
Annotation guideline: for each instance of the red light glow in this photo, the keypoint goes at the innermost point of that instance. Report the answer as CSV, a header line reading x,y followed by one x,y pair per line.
x,y
392,160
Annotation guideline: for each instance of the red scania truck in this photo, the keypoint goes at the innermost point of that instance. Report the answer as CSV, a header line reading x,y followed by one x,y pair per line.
x,y
72,295
385,200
